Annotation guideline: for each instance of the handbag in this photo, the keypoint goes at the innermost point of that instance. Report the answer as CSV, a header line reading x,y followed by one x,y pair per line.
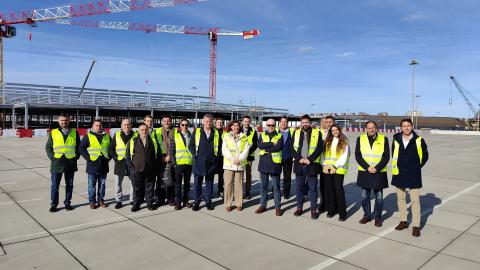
x,y
167,179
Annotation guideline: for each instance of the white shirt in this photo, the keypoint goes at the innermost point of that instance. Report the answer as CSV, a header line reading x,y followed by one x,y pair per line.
x,y
343,159
406,140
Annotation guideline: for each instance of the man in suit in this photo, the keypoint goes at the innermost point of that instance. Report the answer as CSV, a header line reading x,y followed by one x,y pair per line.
x,y
287,158
141,155
164,136
204,146
62,150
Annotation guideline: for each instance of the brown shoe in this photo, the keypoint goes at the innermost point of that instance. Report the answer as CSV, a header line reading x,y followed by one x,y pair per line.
x,y
239,208
229,209
186,204
101,205
364,220
298,212
178,206
93,206
260,210
378,222
278,212
402,225
416,231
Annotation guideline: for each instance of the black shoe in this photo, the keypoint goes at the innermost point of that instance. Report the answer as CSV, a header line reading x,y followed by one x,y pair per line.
x,y
135,208
196,207
286,196
210,206
247,196
342,218
68,207
53,209
152,207
314,214
118,205
330,215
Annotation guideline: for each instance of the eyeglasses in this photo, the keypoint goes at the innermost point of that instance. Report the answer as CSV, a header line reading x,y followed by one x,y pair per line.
x,y
184,125
270,125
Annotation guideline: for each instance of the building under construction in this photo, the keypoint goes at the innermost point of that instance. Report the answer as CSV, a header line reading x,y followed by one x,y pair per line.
x,y
33,106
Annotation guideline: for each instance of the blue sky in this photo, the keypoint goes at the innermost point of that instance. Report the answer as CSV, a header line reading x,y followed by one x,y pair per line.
x,y
322,56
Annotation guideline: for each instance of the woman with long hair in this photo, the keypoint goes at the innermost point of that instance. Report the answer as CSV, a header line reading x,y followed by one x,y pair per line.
x,y
235,153
335,166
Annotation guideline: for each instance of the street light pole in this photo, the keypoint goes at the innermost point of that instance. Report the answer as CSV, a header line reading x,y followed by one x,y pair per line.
x,y
413,64
416,114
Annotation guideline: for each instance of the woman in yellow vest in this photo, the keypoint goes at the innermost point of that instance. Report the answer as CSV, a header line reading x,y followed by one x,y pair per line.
x,y
94,148
409,155
335,165
235,149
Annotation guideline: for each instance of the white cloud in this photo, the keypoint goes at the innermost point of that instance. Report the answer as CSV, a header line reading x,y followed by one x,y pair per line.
x,y
345,54
414,17
305,49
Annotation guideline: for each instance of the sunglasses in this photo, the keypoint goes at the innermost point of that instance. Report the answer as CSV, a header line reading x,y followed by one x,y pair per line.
x,y
270,125
184,125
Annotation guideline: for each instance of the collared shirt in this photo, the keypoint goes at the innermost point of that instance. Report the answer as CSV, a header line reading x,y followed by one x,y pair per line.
x,y
65,131
207,132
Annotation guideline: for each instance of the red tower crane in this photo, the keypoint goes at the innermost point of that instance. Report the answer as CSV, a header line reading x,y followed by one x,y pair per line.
x,y
98,7
212,33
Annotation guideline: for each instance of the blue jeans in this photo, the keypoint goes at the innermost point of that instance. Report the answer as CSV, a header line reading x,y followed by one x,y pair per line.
x,y
377,212
93,179
197,188
311,181
264,189
56,178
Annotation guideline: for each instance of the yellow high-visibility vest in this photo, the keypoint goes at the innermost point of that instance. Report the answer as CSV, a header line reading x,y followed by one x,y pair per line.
x,y
158,135
372,155
418,142
291,130
232,147
331,160
95,150
215,140
313,142
182,154
132,144
250,140
64,147
276,156
120,146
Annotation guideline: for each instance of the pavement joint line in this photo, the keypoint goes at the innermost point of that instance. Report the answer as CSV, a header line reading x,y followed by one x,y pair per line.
x,y
383,233
277,238
8,183
453,240
19,169
2,250
40,224
146,227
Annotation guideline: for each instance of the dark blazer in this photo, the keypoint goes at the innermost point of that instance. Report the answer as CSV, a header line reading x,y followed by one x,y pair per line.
x,y
204,161
144,159
410,168
99,166
254,141
121,167
266,164
61,165
378,180
313,168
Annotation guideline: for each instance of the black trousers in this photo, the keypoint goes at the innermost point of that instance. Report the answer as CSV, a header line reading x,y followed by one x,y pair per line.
x,y
287,176
323,200
143,187
335,195
163,193
182,172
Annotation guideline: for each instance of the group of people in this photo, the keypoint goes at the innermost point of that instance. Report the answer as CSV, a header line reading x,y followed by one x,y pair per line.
x,y
160,161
